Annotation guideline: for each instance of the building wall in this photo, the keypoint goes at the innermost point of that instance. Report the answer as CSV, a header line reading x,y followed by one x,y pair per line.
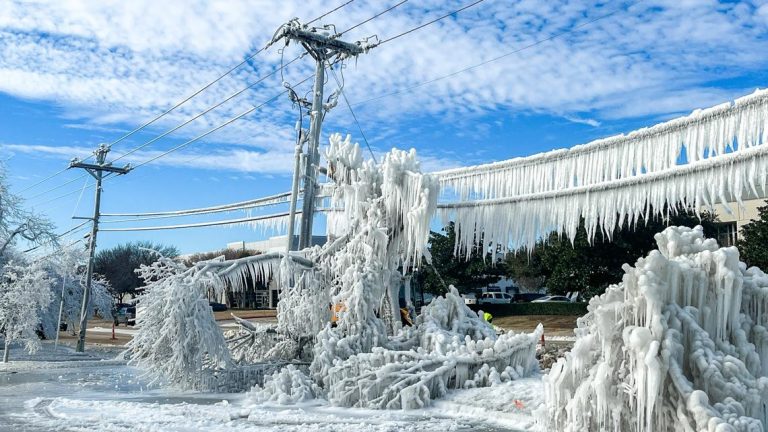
x,y
733,217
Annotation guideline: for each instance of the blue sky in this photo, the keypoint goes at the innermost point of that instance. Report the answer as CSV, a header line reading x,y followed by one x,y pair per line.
x,y
75,74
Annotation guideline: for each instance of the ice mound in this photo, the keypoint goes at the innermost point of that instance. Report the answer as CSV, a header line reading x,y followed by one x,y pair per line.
x,y
679,344
286,387
449,346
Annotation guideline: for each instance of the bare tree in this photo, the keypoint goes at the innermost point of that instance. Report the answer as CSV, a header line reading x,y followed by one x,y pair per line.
x,y
17,222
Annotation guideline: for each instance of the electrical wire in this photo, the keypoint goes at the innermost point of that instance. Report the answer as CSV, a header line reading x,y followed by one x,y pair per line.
x,y
329,12
269,200
201,224
344,95
483,63
182,102
427,23
371,18
209,109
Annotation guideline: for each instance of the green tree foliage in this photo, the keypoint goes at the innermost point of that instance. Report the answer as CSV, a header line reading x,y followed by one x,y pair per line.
x,y
589,268
465,275
117,264
753,244
228,254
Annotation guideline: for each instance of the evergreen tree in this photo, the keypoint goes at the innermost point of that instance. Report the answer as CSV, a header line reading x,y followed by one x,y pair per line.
x,y
589,267
753,244
118,265
465,275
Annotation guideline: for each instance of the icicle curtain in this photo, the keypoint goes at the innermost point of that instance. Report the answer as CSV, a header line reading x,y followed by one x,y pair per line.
x,y
704,134
519,220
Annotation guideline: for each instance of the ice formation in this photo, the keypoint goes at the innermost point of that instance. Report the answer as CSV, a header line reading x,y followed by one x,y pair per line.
x,y
609,181
449,346
25,292
679,344
367,359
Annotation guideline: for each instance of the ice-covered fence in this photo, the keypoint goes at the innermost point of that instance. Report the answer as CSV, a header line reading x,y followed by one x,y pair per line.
x,y
680,344
238,378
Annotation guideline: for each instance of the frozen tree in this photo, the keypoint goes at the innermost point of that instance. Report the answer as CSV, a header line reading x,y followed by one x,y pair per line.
x,y
679,344
25,292
178,335
16,222
67,270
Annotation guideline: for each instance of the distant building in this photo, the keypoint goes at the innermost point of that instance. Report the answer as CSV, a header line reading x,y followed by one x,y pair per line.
x,y
730,222
258,295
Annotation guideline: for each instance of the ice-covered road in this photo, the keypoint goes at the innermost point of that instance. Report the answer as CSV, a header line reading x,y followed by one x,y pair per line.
x,y
70,394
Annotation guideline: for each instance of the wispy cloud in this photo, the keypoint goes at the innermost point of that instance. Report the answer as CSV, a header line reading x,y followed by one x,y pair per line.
x,y
113,64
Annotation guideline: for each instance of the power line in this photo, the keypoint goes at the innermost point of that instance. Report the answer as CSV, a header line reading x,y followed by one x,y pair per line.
x,y
371,18
185,100
330,12
209,109
72,230
58,187
201,224
428,23
259,202
483,63
344,95
43,180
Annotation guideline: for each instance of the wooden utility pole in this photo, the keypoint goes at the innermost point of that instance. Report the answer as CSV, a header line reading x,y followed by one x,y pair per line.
x,y
97,171
323,48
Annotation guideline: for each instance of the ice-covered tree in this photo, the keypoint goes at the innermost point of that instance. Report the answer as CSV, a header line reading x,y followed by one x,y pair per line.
x,y
67,272
25,292
18,223
178,335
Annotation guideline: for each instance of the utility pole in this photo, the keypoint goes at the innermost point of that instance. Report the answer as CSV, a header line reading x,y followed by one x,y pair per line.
x,y
97,171
324,48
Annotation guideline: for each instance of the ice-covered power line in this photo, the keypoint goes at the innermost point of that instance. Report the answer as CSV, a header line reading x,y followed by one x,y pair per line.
x,y
491,60
615,180
264,201
275,221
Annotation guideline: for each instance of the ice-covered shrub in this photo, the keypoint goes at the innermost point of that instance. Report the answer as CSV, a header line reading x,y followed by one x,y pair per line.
x,y
680,344
287,386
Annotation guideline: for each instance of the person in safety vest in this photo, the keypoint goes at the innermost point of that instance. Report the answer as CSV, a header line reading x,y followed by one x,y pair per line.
x,y
405,314
488,317
336,311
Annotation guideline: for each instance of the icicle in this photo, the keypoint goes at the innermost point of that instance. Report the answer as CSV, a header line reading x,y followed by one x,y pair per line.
x,y
702,135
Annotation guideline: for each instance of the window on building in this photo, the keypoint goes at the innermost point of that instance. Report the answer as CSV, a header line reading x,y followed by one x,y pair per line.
x,y
727,233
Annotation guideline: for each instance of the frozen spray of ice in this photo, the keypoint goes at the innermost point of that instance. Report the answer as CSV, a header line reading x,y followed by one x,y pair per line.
x,y
679,344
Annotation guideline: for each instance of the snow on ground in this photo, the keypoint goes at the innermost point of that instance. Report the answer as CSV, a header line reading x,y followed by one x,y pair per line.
x,y
89,393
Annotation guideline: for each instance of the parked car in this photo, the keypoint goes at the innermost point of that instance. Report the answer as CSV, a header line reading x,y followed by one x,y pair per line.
x,y
469,299
494,298
527,297
552,299
125,314
218,307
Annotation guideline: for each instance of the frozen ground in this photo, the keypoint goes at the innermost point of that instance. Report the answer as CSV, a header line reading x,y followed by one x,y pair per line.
x,y
71,392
